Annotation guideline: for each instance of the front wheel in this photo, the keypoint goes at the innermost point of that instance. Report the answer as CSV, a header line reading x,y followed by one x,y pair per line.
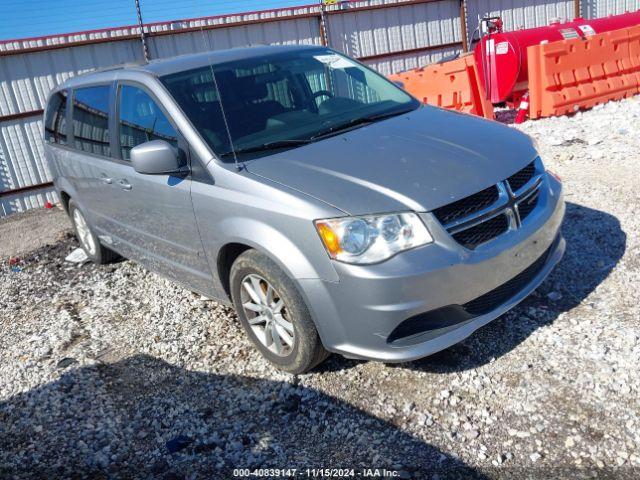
x,y
273,313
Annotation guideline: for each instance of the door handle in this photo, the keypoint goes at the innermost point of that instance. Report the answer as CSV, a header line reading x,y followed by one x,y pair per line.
x,y
105,179
124,184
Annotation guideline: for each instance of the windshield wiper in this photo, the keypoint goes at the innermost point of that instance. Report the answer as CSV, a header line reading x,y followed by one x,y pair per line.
x,y
268,146
335,129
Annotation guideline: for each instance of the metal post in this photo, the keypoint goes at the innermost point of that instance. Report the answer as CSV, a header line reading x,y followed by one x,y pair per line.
x,y
463,25
143,38
324,35
577,8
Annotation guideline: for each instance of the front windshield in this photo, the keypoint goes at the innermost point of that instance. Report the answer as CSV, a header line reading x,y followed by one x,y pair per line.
x,y
282,100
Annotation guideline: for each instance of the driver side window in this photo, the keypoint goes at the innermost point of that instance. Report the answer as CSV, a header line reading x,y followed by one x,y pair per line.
x,y
318,82
348,83
141,120
352,83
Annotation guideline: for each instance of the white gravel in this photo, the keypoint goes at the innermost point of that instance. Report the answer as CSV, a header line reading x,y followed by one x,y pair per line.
x,y
115,372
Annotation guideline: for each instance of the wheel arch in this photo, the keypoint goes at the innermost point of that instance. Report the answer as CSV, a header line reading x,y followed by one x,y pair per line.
x,y
226,257
65,198
65,191
278,247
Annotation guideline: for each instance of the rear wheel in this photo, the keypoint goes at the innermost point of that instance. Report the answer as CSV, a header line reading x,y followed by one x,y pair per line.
x,y
89,241
273,314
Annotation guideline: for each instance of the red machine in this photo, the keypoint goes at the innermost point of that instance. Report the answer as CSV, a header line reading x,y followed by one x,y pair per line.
x,y
502,56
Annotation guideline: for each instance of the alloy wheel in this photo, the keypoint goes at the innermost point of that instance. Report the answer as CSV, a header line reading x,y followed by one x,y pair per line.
x,y
267,315
85,236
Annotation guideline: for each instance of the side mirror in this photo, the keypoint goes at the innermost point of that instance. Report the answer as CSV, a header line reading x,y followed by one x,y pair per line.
x,y
156,157
398,83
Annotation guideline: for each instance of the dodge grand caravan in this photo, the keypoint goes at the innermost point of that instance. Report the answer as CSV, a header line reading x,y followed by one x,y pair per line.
x,y
333,210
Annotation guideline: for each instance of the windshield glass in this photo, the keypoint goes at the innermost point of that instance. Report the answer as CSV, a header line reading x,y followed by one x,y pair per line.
x,y
283,100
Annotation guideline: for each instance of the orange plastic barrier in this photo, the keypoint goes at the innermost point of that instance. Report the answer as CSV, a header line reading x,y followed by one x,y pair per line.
x,y
634,52
578,74
453,85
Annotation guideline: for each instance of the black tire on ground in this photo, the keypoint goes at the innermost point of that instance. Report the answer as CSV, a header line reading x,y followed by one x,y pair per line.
x,y
102,254
307,350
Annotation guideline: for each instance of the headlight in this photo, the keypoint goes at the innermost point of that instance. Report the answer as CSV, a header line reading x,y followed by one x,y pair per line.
x,y
372,238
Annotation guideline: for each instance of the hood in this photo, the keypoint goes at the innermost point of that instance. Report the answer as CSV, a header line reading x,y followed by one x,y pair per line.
x,y
418,161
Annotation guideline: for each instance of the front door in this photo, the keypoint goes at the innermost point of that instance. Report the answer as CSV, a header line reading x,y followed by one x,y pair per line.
x,y
152,215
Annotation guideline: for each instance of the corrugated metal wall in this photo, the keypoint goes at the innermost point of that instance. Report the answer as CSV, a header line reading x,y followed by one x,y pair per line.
x,y
380,37
400,62
133,32
303,31
520,13
22,163
25,82
602,8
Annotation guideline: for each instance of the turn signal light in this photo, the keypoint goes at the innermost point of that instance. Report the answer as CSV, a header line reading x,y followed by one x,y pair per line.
x,y
329,238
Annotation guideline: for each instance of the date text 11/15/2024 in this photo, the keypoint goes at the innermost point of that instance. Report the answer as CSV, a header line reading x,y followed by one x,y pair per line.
x,y
318,473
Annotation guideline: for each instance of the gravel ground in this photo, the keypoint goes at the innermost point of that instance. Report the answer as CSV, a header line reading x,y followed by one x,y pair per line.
x,y
114,372
16,231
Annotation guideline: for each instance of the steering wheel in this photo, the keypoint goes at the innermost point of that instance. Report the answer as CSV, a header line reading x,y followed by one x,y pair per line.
x,y
322,93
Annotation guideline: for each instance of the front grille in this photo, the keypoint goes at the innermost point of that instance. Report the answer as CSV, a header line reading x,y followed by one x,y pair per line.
x,y
483,232
493,299
527,206
467,205
487,214
520,179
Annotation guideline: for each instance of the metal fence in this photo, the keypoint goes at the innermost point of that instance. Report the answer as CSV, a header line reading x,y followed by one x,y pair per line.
x,y
521,13
602,8
389,35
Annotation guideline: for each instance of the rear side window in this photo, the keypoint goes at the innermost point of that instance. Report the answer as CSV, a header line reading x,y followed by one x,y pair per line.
x,y
55,125
91,120
141,120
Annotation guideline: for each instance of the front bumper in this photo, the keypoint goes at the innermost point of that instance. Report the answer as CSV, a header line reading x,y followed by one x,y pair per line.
x,y
356,315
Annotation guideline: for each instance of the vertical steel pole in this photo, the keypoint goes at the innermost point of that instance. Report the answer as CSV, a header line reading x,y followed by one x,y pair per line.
x,y
143,38
577,8
464,28
324,36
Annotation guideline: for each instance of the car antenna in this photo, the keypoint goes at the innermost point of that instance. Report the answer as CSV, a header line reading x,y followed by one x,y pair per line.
x,y
224,115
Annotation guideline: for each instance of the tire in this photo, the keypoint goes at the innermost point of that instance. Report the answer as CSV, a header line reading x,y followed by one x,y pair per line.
x,y
89,241
260,272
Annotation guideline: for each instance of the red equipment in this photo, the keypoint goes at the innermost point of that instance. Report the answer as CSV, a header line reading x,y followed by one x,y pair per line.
x,y
502,56
523,108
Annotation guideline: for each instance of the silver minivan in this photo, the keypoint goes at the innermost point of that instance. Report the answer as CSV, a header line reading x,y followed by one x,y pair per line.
x,y
332,209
